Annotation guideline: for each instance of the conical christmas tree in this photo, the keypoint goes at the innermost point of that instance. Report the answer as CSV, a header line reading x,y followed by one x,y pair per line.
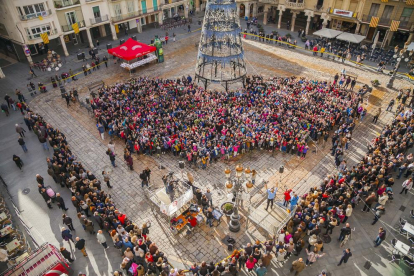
x,y
220,52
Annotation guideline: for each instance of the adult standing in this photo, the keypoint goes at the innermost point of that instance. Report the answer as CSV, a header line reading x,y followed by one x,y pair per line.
x,y
106,178
346,255
5,109
66,254
377,114
18,161
68,222
293,201
101,239
101,130
61,202
344,232
381,237
111,157
271,194
261,270
66,235
313,256
297,266
20,130
368,202
407,185
22,143
80,245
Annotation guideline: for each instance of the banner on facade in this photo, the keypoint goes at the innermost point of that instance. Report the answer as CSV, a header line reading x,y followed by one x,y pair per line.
x,y
343,13
394,25
45,38
374,21
75,28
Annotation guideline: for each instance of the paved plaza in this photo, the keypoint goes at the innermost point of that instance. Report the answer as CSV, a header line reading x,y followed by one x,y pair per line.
x,y
205,244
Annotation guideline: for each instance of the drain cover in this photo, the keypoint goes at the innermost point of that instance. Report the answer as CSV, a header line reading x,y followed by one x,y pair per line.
x,y
26,191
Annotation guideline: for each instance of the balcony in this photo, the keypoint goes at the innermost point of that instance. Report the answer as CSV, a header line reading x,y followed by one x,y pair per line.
x,y
60,4
272,2
366,18
87,1
68,28
35,15
36,36
295,5
405,25
98,20
384,22
135,14
319,8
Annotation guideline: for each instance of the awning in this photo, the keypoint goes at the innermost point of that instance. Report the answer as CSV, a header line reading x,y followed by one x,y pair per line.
x,y
328,33
131,49
352,38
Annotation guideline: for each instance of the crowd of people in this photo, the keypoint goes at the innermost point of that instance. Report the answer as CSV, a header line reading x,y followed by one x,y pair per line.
x,y
156,116
371,182
93,205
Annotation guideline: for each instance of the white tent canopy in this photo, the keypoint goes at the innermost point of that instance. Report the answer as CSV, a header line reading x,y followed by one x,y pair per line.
x,y
352,38
410,46
328,33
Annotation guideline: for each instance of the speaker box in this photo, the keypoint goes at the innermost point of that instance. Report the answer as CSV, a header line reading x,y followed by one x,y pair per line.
x,y
81,56
181,164
281,169
134,37
95,51
108,46
230,247
122,41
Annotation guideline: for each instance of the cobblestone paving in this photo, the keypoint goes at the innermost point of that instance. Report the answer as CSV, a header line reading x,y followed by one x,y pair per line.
x,y
205,243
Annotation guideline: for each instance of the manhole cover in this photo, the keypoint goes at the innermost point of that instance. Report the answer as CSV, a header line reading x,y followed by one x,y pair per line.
x,y
26,191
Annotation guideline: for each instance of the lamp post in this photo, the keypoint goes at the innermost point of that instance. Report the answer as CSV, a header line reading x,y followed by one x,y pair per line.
x,y
399,56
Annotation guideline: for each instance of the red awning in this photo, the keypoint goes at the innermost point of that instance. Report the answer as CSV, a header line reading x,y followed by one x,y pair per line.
x,y
131,49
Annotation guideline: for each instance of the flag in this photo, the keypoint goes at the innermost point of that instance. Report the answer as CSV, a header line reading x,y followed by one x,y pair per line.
x,y
45,38
384,1
40,17
374,21
116,29
394,25
75,28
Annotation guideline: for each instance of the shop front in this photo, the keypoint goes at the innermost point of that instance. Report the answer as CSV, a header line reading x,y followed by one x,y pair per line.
x,y
343,20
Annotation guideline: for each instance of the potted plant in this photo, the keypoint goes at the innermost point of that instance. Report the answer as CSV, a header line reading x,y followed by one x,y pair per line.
x,y
227,208
259,26
375,82
303,38
288,35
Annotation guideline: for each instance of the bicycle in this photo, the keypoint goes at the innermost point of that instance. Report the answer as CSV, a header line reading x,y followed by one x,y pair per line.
x,y
347,237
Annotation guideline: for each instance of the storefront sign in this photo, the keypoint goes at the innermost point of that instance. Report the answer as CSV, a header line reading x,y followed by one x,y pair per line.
x,y
342,13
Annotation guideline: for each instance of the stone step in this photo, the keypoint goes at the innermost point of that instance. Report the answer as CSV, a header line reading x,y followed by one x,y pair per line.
x,y
269,220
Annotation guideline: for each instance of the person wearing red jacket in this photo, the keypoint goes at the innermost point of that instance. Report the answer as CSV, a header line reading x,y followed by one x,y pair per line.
x,y
287,197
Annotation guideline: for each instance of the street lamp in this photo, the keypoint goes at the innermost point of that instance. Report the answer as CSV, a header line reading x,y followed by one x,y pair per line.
x,y
399,56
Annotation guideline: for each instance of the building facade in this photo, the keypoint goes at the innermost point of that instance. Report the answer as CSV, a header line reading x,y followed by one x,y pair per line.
x,y
394,18
22,22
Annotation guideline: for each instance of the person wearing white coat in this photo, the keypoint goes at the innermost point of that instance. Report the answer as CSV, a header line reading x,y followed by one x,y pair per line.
x,y
101,239
407,185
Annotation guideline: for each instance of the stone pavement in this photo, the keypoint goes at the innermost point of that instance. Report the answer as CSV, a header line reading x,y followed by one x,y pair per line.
x,y
129,197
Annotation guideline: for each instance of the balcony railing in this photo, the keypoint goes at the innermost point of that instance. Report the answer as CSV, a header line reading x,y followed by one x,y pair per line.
x,y
319,8
274,2
35,15
384,21
91,0
134,14
68,28
98,20
36,36
366,18
65,3
299,4
167,2
406,25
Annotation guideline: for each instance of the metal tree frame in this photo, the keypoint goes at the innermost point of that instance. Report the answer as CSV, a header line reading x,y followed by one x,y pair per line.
x,y
220,56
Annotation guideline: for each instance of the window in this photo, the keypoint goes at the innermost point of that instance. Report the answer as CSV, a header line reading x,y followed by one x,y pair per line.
x,y
117,9
406,14
96,12
130,6
387,11
144,7
32,9
374,10
36,31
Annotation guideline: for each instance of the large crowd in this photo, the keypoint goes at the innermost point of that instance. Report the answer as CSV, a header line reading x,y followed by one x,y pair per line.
x,y
159,116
